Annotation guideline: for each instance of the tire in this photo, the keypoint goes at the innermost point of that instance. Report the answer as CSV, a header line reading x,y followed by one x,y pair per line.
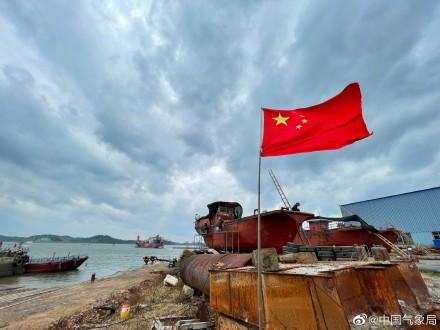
x,y
18,261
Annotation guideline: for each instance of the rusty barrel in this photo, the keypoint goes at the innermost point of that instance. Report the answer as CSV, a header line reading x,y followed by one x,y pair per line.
x,y
195,269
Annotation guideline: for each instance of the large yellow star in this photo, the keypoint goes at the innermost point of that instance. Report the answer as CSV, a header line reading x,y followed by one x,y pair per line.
x,y
280,119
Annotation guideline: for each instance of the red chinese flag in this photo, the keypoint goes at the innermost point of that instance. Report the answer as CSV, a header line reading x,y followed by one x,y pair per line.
x,y
330,125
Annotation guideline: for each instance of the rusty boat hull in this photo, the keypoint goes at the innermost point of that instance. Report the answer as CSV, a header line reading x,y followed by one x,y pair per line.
x,y
279,227
346,237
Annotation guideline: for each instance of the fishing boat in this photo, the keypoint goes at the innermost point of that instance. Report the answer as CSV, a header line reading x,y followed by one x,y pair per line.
x,y
54,264
153,242
224,229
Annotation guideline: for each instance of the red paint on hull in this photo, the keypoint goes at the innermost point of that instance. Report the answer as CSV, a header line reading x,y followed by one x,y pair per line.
x,y
277,228
55,265
281,226
347,236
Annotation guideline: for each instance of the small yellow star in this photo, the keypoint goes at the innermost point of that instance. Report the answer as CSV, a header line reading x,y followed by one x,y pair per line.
x,y
280,119
298,126
304,121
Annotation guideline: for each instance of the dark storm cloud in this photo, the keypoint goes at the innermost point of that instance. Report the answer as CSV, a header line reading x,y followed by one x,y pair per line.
x,y
128,118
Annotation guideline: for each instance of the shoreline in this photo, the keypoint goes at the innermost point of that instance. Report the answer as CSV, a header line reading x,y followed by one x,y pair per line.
x,y
104,260
41,308
5,286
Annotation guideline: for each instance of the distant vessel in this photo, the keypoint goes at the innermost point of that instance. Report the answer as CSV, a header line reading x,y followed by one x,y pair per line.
x,y
55,264
153,242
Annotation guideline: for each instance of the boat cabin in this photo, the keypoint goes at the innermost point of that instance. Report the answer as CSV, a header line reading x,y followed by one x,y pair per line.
x,y
318,225
219,213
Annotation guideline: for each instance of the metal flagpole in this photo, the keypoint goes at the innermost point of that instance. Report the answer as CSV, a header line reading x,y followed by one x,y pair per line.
x,y
259,279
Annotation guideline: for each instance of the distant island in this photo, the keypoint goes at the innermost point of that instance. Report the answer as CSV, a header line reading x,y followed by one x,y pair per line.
x,y
47,238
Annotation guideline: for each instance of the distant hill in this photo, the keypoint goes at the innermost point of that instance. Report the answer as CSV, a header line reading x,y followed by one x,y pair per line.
x,y
47,238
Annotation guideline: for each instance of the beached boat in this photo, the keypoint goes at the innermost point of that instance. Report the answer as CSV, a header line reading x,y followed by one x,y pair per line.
x,y
225,229
55,264
153,242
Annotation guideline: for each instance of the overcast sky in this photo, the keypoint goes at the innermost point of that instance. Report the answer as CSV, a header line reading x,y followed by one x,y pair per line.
x,y
126,118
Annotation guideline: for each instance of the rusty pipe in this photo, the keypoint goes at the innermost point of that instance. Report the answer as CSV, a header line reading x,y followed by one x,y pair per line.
x,y
195,269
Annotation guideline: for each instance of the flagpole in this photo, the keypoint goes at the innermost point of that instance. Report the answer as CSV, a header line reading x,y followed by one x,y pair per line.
x,y
259,279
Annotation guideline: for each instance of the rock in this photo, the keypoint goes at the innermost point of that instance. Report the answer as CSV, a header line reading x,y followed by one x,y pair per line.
x,y
187,291
269,259
170,280
299,258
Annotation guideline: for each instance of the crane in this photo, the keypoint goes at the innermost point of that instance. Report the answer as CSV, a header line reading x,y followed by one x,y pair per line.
x,y
302,235
280,190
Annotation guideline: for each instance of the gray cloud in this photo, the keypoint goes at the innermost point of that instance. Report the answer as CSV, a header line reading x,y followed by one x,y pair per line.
x,y
126,118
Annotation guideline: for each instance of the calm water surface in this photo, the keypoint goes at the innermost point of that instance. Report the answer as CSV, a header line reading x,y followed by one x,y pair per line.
x,y
104,259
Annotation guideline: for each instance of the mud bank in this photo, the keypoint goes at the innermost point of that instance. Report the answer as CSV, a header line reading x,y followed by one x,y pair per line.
x,y
92,305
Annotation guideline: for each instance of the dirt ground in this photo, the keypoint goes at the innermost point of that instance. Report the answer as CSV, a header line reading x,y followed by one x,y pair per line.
x,y
96,306
87,305
432,281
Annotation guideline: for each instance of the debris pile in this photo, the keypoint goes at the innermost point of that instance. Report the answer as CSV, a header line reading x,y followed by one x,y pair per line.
x,y
148,302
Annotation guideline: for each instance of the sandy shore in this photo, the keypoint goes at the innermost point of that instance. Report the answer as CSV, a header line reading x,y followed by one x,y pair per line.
x,y
40,310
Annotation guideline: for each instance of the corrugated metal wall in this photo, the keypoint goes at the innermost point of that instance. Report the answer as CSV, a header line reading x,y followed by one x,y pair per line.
x,y
416,212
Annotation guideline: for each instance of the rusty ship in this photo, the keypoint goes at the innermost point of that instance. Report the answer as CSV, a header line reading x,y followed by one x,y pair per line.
x,y
225,229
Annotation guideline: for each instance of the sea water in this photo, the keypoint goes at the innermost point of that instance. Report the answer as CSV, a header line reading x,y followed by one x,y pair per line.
x,y
104,260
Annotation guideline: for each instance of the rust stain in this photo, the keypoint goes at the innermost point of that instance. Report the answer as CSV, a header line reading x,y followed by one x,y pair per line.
x,y
244,302
328,307
415,283
288,303
226,323
326,300
195,270
378,291
350,292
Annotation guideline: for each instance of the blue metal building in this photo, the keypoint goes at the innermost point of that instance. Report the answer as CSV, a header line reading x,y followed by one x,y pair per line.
x,y
416,212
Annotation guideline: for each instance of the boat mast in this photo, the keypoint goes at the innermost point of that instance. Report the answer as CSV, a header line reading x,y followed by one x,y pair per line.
x,y
279,189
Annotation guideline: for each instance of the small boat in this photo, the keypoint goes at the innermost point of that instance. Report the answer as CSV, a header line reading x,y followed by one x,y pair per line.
x,y
224,229
153,242
55,264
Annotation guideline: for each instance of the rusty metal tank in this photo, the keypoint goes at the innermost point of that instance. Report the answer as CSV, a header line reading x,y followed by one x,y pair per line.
x,y
195,269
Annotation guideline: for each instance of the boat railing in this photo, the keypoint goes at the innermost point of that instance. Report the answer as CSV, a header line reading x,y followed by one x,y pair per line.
x,y
54,259
229,241
198,243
